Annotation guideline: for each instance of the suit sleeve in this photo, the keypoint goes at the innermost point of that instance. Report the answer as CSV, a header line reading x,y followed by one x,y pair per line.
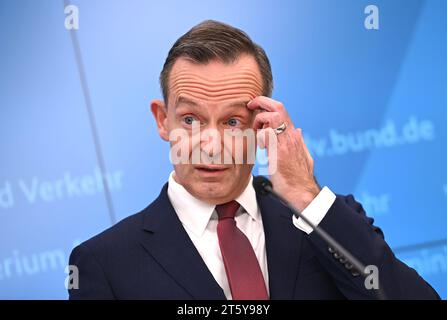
x,y
346,221
93,283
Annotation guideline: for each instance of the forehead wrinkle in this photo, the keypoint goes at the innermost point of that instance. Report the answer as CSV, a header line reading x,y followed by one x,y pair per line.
x,y
181,80
213,90
231,93
216,85
231,86
245,75
219,98
239,100
236,103
245,72
244,82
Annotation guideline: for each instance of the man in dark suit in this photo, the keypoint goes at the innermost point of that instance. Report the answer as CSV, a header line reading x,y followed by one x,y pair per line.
x,y
209,234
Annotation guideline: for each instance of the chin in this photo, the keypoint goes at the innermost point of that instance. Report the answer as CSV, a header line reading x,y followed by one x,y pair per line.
x,y
211,191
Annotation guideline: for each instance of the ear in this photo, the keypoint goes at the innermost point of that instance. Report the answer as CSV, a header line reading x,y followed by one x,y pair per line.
x,y
160,113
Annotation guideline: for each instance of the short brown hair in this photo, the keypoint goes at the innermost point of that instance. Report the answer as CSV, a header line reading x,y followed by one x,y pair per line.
x,y
216,40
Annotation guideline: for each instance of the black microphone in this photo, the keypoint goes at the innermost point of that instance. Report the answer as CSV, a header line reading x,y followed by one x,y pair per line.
x,y
265,187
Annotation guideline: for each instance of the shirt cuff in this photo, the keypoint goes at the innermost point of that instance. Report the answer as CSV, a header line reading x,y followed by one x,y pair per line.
x,y
316,210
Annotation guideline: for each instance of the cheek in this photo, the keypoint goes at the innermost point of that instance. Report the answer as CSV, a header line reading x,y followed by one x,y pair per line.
x,y
185,173
180,149
244,148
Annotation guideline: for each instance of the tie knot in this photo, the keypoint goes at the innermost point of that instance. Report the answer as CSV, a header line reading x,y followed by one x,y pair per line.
x,y
227,210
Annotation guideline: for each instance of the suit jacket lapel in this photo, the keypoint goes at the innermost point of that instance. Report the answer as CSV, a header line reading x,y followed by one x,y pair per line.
x,y
283,243
166,241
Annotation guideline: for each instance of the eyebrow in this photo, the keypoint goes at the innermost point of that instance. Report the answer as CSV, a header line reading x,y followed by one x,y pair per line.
x,y
184,100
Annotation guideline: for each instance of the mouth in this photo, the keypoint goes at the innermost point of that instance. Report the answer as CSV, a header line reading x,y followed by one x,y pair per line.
x,y
210,170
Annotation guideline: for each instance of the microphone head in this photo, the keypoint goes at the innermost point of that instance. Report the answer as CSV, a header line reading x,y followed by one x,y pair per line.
x,y
262,185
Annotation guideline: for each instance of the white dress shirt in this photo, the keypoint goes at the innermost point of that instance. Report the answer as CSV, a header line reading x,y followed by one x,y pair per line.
x,y
200,222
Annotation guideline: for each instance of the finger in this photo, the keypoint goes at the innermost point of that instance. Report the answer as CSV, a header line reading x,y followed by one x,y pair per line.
x,y
267,120
265,103
262,137
267,139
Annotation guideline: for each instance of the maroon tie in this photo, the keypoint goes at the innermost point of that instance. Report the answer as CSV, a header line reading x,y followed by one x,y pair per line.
x,y
241,265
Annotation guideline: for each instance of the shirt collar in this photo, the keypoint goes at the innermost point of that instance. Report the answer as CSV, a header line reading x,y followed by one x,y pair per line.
x,y
196,214
247,199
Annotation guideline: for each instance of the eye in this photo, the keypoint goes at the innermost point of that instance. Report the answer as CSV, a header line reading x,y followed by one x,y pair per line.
x,y
233,122
189,120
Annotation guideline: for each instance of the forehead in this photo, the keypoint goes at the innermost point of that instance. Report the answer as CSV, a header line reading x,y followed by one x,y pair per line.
x,y
216,80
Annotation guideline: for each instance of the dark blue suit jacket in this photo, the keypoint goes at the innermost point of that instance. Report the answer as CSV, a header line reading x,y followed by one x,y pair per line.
x,y
150,256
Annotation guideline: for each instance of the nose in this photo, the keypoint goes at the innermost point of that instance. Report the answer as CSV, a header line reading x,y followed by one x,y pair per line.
x,y
211,141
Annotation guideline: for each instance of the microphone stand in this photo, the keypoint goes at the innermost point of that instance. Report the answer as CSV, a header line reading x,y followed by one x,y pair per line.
x,y
357,265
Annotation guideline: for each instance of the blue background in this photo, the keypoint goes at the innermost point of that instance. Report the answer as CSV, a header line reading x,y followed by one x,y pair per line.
x,y
372,105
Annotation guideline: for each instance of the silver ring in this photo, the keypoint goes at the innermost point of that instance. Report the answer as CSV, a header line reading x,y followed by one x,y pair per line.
x,y
281,128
